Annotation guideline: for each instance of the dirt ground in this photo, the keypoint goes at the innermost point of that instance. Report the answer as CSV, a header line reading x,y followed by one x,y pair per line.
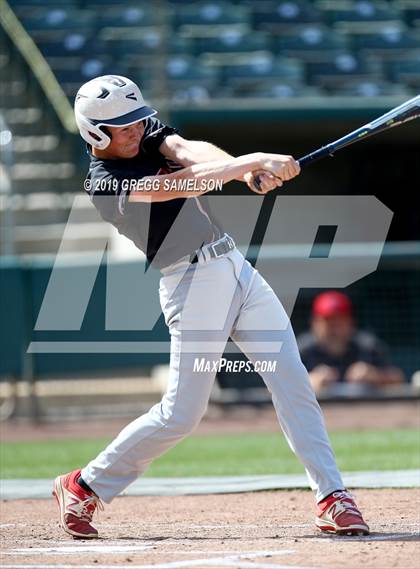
x,y
263,530
271,530
343,416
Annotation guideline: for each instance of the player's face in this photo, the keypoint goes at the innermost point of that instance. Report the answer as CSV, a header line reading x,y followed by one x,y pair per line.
x,y
125,140
334,332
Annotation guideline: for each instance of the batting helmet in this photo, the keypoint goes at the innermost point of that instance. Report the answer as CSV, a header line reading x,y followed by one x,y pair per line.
x,y
110,100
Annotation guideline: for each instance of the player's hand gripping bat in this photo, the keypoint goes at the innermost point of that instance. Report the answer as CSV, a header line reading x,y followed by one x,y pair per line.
x,y
403,113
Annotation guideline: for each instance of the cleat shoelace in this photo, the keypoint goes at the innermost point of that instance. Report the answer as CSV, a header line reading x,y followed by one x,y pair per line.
x,y
345,505
85,509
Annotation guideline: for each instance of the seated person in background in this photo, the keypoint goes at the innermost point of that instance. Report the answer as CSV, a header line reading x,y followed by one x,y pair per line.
x,y
335,351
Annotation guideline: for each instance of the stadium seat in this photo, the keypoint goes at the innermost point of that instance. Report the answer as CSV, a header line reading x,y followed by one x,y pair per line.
x,y
99,4
204,31
349,28
186,68
252,71
194,93
211,44
231,41
72,77
406,71
132,43
212,12
146,77
177,3
410,10
359,11
332,71
309,41
40,3
85,70
32,8
128,16
390,39
71,44
181,72
277,16
369,88
62,66
277,90
62,18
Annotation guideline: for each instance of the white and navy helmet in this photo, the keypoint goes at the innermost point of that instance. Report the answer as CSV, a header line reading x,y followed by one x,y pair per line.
x,y
110,100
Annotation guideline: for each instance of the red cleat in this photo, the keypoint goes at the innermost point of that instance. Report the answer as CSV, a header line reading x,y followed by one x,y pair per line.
x,y
76,506
339,514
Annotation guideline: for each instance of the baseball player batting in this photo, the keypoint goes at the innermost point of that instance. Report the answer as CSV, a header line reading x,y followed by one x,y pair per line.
x,y
130,150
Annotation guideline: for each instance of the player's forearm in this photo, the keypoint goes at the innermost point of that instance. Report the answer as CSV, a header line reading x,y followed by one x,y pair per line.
x,y
274,170
190,152
207,152
226,169
164,188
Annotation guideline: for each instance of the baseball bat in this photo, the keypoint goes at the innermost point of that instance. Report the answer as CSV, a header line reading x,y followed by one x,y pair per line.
x,y
403,113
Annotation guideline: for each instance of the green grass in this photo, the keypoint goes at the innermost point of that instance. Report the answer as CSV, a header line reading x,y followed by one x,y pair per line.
x,y
218,455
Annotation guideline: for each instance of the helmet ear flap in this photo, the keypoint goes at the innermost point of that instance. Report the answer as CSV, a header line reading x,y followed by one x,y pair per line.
x,y
106,131
92,134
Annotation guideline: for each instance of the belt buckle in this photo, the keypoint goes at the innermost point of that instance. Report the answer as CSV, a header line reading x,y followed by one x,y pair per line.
x,y
214,247
230,242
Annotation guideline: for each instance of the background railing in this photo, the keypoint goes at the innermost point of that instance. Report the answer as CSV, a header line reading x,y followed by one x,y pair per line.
x,y
38,66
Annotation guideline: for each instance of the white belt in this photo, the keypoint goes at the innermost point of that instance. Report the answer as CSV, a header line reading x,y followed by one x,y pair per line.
x,y
205,253
214,250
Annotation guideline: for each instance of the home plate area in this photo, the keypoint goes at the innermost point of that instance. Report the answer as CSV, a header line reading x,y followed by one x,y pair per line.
x,y
267,530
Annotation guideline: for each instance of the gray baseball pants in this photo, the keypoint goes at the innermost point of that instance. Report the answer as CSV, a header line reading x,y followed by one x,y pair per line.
x,y
203,305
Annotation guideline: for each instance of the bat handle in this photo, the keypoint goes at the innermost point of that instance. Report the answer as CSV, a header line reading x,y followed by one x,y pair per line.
x,y
257,181
317,155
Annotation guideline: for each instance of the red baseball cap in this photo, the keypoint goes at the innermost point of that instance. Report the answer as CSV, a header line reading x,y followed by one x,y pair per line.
x,y
332,303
